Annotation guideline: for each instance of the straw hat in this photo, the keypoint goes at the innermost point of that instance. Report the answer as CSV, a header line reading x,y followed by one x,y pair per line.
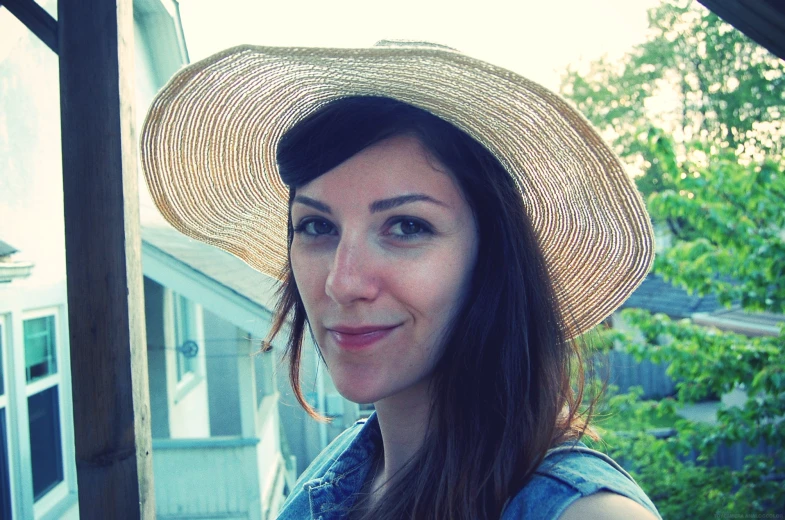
x,y
208,150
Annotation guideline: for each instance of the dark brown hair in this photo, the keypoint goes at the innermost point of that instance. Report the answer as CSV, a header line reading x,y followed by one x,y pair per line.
x,y
502,393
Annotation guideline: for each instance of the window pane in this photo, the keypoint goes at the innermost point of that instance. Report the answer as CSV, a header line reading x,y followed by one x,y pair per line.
x,y
40,352
184,325
263,366
183,331
2,373
5,479
46,452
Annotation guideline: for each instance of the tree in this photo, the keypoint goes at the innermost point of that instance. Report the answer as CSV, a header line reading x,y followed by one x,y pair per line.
x,y
696,78
696,112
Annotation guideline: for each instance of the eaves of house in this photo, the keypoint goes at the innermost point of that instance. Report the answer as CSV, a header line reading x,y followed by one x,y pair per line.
x,y
741,322
219,281
658,296
6,249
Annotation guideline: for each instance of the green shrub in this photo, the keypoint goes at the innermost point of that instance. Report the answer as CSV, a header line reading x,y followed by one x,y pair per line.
x,y
671,457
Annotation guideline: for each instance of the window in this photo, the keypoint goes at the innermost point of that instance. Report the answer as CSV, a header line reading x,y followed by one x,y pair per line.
x,y
185,335
43,403
37,466
5,476
45,446
40,351
2,366
184,344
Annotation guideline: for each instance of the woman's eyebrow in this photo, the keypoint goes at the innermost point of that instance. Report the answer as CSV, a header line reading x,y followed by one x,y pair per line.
x,y
393,202
315,204
376,206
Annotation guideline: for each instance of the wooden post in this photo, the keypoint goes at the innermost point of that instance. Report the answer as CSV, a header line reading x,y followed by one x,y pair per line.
x,y
103,260
36,19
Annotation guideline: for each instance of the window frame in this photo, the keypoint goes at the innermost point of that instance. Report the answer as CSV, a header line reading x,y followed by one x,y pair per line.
x,y
184,330
48,378
16,305
59,491
4,336
5,409
180,385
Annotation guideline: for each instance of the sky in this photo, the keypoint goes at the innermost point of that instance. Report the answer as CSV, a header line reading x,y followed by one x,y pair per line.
x,y
536,39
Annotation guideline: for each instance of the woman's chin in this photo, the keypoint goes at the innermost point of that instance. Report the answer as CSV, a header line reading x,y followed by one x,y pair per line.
x,y
359,385
359,395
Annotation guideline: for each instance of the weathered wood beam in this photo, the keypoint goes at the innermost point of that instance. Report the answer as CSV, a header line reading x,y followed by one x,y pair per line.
x,y
761,20
36,19
103,260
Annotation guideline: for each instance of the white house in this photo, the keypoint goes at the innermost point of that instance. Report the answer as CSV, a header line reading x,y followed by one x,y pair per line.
x,y
220,410
227,435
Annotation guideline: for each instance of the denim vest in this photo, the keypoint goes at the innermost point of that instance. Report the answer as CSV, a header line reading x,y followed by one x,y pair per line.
x,y
326,490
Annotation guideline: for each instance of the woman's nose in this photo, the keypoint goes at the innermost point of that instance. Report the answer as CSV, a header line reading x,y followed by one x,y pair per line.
x,y
352,277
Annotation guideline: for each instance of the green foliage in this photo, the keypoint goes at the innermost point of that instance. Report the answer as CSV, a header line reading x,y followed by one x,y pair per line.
x,y
697,113
673,485
675,469
705,361
727,218
696,77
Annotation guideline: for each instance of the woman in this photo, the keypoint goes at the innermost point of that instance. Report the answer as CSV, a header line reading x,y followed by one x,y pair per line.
x,y
451,227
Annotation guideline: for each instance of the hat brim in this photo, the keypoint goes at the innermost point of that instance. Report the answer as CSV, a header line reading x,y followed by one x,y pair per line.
x,y
208,149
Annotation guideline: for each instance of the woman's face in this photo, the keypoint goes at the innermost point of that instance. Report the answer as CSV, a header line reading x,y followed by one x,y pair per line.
x,y
383,251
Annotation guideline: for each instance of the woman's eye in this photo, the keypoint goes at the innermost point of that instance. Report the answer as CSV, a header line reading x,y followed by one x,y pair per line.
x,y
409,228
315,227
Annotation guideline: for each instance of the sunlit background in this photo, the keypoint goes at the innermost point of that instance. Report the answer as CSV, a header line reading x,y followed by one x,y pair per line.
x,y
536,39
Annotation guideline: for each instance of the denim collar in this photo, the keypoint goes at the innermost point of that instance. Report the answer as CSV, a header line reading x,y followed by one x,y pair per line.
x,y
334,492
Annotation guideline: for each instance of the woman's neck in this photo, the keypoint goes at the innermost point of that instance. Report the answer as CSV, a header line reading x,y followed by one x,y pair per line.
x,y
403,421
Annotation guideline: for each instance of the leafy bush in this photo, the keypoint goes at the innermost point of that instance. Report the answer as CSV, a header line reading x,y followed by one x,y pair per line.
x,y
676,467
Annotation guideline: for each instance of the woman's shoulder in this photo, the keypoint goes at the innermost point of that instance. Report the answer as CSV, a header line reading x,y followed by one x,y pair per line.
x,y
606,505
576,480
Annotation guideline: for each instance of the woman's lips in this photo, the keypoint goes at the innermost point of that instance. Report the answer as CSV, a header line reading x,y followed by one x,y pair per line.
x,y
356,338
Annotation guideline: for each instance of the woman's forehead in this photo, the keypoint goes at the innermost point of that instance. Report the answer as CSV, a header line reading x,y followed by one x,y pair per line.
x,y
394,167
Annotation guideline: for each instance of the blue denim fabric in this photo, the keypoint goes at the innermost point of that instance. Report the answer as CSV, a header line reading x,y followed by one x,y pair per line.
x,y
325,491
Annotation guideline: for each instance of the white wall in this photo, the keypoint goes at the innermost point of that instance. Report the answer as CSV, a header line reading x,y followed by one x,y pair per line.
x,y
31,220
31,185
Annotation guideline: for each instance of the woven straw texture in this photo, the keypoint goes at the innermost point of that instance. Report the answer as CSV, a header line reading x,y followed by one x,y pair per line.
x,y
209,140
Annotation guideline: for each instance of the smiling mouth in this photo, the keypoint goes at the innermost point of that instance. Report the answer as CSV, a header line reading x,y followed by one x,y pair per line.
x,y
357,338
